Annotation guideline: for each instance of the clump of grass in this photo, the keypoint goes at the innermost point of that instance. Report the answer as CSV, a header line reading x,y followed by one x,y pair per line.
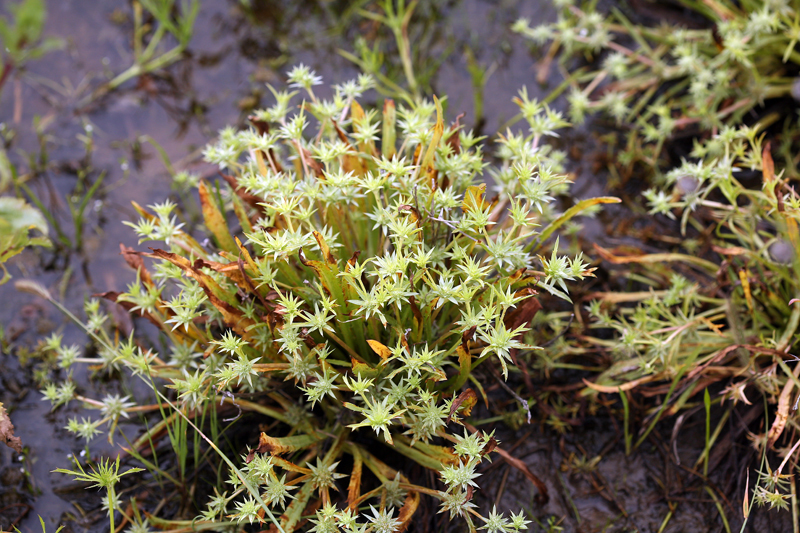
x,y
721,311
671,81
729,323
170,20
21,36
357,278
86,196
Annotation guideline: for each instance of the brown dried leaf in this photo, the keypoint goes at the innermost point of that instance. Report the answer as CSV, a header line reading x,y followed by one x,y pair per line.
x,y
784,402
454,141
466,337
467,400
290,466
524,312
438,130
351,162
113,296
323,246
251,199
520,465
733,250
623,387
135,261
354,487
413,213
407,510
609,256
767,164
7,431
224,302
279,446
412,302
389,134
352,261
312,164
490,446
229,270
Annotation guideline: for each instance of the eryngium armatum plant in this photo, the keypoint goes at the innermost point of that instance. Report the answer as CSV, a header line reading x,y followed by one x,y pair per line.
x,y
670,80
372,276
735,320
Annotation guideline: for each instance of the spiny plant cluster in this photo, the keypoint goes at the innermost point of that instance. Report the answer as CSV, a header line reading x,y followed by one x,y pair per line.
x,y
357,277
731,321
671,81
721,312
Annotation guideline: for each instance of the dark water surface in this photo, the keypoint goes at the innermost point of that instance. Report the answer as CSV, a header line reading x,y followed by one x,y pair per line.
x,y
233,53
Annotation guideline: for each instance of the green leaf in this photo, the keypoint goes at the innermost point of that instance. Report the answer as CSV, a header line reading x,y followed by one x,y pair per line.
x,y
6,170
16,216
17,219
572,212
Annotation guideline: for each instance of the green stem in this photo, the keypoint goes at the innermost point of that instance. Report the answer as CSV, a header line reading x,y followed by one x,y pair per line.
x,y
786,339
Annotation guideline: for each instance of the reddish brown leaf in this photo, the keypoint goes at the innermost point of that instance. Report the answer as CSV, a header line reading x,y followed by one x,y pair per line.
x,y
250,285
354,487
232,316
490,446
767,165
467,400
113,297
135,261
263,129
407,510
352,261
784,403
525,310
466,337
311,163
351,162
520,465
323,246
414,213
454,141
7,432
251,199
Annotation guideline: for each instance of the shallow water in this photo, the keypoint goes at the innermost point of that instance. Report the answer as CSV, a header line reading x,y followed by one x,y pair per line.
x,y
232,54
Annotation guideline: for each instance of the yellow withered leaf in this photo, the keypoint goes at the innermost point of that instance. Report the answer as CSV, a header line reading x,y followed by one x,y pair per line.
x,y
215,221
379,349
388,148
473,198
427,167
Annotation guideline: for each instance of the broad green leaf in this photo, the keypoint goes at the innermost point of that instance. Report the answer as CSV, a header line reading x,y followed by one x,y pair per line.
x,y
16,216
